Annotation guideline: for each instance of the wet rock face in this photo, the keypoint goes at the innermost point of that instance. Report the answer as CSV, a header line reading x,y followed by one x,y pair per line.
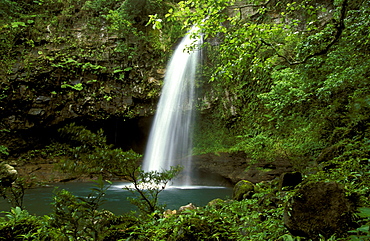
x,y
318,208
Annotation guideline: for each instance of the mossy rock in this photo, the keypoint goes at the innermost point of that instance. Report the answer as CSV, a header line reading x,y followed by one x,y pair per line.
x,y
216,203
243,189
319,208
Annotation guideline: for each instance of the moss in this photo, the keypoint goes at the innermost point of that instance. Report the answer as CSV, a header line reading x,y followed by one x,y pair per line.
x,y
243,189
216,203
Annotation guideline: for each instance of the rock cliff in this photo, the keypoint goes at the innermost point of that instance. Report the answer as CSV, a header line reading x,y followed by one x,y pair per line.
x,y
73,65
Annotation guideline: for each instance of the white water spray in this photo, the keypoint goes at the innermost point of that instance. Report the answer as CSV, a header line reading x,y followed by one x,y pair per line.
x,y
170,140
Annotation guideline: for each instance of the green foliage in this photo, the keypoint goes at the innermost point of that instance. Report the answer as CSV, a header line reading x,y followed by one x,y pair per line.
x,y
362,232
99,7
73,38
77,87
211,136
138,11
73,65
12,187
79,217
288,79
89,153
257,218
122,227
352,168
18,224
129,24
14,193
72,218
4,150
147,186
8,8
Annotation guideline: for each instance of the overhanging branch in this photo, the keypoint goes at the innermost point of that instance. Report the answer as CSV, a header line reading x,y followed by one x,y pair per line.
x,y
339,30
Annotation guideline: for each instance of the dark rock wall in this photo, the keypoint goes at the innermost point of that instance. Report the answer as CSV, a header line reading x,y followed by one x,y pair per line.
x,y
44,91
237,166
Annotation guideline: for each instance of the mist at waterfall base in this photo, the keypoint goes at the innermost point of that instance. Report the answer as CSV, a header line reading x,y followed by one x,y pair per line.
x,y
170,139
38,200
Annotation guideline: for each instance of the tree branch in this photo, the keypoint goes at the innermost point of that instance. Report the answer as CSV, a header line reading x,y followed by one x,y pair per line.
x,y
339,27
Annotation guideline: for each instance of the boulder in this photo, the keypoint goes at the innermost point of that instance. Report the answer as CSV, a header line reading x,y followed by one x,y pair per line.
x,y
318,208
170,212
7,175
216,203
243,189
187,207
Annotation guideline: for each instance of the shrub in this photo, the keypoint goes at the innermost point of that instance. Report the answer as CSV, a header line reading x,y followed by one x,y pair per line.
x,y
77,217
18,224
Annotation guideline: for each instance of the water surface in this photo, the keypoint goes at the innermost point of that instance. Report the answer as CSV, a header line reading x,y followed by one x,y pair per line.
x,y
38,200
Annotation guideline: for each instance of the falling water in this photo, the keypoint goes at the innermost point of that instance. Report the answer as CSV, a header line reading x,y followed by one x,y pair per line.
x,y
170,140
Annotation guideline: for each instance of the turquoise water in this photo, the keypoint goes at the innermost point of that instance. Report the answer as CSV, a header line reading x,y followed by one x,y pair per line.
x,y
37,201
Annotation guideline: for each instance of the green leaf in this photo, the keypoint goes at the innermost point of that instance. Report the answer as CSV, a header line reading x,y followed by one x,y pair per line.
x,y
364,228
118,70
4,150
17,24
364,212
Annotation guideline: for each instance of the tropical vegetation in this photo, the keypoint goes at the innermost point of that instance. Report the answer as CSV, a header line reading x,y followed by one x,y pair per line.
x,y
280,79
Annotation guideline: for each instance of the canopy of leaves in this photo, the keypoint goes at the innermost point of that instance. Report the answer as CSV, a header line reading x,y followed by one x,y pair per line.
x,y
286,78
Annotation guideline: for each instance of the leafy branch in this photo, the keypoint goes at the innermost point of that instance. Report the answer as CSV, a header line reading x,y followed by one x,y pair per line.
x,y
339,27
148,185
91,154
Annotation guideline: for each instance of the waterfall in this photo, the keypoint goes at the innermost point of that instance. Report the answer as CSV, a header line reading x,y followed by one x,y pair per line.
x,y
170,139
